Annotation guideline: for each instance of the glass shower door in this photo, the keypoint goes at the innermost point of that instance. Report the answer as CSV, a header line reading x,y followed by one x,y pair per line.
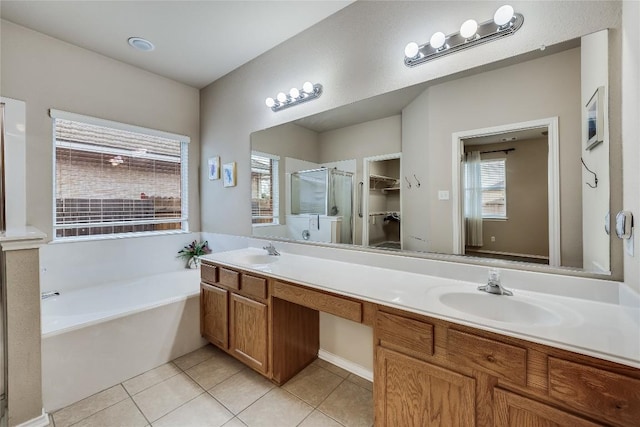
x,y
341,202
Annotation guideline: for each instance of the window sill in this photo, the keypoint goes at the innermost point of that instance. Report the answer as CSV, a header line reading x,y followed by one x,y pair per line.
x,y
495,218
116,236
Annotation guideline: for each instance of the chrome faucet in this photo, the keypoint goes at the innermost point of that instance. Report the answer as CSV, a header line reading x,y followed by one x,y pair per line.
x,y
271,249
493,286
49,294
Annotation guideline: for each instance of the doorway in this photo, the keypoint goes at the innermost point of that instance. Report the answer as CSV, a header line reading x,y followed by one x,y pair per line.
x,y
506,192
380,199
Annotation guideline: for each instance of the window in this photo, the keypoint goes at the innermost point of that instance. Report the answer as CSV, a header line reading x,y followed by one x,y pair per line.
x,y
264,188
494,194
112,178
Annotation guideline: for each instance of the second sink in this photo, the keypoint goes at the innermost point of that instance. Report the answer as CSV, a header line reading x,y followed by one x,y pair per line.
x,y
257,259
500,308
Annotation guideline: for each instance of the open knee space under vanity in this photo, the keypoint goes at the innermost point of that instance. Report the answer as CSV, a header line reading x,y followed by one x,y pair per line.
x,y
426,369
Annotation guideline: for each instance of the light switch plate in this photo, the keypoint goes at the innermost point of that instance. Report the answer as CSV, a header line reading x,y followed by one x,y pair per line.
x,y
443,195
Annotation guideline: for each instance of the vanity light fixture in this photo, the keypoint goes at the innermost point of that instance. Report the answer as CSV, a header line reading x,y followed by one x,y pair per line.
x,y
505,22
296,96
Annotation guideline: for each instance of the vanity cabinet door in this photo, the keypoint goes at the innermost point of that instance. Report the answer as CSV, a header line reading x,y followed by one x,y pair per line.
x,y
512,410
411,392
214,317
249,332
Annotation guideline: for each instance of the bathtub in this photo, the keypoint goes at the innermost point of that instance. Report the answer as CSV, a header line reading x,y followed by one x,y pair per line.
x,y
99,336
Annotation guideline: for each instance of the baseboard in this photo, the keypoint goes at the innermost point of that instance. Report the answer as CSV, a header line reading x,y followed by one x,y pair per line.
x,y
345,364
41,421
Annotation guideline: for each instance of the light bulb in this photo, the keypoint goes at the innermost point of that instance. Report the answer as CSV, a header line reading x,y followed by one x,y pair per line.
x,y
437,40
468,28
307,87
503,15
294,93
282,97
411,50
270,102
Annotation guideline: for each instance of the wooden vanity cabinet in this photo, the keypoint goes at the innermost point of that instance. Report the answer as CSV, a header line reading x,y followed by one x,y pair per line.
x,y
248,330
432,372
427,371
411,392
214,319
234,312
512,410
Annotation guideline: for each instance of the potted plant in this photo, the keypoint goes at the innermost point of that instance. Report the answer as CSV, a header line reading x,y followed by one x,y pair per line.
x,y
192,252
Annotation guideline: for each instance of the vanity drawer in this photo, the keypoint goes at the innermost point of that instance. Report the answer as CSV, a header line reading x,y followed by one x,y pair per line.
x,y
342,307
400,333
254,286
229,278
501,360
604,394
209,273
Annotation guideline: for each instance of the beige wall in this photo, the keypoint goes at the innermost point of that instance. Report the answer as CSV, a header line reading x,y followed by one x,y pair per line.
x,y
47,73
526,231
288,140
536,89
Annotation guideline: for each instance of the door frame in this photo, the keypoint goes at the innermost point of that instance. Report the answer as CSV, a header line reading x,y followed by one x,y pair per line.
x,y
553,180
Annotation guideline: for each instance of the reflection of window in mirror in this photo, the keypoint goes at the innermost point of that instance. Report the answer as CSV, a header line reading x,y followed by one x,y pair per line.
x,y
494,189
264,188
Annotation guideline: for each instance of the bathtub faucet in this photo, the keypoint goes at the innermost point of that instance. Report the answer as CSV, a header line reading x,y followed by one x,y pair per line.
x,y
49,294
271,249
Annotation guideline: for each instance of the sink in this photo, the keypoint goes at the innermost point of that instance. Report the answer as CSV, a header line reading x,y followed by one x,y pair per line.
x,y
254,259
500,308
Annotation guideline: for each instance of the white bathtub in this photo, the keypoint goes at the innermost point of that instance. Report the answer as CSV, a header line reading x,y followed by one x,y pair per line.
x,y
96,337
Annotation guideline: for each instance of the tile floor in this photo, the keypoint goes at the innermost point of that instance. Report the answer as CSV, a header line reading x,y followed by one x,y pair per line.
x,y
209,388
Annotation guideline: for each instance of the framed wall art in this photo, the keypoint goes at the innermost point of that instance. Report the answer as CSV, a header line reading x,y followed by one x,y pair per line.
x,y
595,119
229,174
214,168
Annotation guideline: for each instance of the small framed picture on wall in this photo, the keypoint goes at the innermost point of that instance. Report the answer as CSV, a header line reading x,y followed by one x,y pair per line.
x,y
229,174
595,119
214,168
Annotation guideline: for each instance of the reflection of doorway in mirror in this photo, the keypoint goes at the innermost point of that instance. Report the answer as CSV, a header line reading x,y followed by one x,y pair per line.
x,y
506,203
380,202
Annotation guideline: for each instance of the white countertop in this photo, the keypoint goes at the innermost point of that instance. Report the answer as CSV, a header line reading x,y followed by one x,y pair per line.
x,y
602,330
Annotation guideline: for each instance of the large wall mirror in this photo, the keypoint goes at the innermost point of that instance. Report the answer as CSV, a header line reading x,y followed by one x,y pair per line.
x,y
488,164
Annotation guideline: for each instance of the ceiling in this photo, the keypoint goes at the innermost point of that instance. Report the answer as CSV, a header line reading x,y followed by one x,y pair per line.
x,y
197,42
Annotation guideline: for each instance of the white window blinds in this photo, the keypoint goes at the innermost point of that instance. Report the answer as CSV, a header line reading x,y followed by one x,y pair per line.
x,y
110,180
264,189
494,194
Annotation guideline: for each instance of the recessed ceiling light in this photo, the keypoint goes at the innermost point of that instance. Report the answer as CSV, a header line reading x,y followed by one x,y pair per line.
x,y
141,44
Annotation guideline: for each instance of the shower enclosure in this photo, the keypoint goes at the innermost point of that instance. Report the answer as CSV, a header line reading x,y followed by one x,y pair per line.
x,y
324,191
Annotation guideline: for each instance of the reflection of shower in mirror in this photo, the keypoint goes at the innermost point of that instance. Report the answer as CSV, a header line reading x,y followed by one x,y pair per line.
x,y
326,193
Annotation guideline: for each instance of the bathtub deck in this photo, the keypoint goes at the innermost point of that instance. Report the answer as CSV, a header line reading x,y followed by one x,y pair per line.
x,y
208,387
